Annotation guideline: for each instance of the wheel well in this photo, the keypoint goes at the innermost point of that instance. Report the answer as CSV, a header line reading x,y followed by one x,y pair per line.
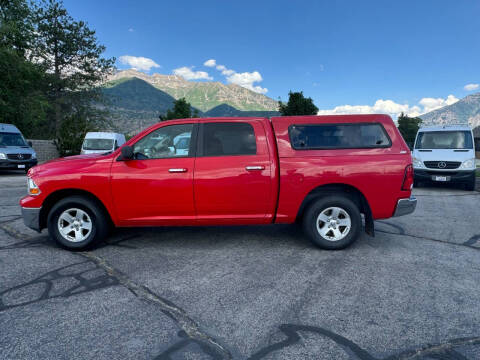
x,y
352,192
58,195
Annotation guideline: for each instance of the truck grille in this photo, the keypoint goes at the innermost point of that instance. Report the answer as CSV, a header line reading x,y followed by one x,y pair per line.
x,y
442,164
18,156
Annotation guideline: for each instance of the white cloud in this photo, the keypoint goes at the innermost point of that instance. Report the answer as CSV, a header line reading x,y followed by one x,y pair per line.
x,y
138,62
471,87
430,104
188,74
245,79
392,108
210,63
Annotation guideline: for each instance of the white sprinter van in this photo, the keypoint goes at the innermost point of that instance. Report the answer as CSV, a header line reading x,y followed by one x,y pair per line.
x,y
101,142
444,154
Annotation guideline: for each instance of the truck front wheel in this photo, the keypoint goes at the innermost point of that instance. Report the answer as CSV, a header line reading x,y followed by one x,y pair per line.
x,y
333,222
77,223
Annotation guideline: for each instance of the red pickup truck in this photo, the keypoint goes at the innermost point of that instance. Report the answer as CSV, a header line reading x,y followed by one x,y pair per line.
x,y
323,171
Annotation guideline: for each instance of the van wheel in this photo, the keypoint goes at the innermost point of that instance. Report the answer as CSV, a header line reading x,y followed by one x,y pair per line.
x,y
470,186
77,223
333,222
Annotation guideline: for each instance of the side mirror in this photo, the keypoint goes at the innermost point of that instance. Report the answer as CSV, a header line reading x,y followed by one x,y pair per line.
x,y
30,143
127,153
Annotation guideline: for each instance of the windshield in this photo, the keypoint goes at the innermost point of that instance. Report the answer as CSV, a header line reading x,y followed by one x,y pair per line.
x,y
11,139
444,140
98,144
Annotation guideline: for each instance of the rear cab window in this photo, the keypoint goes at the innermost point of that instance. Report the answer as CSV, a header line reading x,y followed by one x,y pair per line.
x,y
338,136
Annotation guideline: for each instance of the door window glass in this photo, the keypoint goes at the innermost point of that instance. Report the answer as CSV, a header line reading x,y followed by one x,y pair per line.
x,y
166,142
223,139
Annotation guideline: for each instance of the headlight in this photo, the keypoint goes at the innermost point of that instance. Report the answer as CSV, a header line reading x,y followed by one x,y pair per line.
x,y
34,155
3,156
33,189
417,163
468,164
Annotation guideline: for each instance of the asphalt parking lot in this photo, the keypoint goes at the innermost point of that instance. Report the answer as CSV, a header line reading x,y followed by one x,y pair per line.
x,y
411,292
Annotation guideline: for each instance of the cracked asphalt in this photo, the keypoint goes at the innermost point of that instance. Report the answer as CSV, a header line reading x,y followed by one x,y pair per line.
x,y
411,292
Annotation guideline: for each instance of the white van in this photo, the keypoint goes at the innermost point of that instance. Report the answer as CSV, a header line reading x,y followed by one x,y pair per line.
x,y
102,142
15,151
445,154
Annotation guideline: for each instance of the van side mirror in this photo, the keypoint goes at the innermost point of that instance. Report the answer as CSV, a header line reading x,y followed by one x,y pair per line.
x,y
127,153
30,143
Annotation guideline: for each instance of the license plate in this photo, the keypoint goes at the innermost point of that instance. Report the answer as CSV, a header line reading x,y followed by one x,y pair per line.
x,y
440,178
21,166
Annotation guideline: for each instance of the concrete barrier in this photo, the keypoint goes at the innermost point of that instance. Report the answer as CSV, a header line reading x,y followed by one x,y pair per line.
x,y
45,149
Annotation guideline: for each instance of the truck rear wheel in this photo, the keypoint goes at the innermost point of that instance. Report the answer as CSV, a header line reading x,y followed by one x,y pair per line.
x,y
333,222
77,223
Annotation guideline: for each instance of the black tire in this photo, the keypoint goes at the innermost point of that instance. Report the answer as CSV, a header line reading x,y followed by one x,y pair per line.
x,y
470,186
416,183
99,223
315,209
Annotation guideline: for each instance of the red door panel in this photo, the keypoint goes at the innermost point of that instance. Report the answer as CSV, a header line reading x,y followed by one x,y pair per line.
x,y
156,188
234,189
145,192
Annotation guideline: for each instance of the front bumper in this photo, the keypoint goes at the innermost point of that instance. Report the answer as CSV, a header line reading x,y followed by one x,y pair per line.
x,y
13,164
459,176
31,218
405,206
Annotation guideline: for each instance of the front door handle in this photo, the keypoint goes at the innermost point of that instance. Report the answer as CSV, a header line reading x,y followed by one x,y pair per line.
x,y
254,167
177,170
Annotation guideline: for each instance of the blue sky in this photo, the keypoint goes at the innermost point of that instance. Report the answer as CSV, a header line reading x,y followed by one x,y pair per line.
x,y
383,56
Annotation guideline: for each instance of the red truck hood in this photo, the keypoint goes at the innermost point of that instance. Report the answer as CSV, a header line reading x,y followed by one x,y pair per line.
x,y
66,162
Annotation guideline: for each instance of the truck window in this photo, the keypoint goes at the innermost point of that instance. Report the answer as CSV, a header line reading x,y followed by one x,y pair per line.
x,y
338,136
444,140
164,143
223,139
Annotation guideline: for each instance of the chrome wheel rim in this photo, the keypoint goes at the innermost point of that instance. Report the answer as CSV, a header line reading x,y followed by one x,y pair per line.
x,y
333,224
74,225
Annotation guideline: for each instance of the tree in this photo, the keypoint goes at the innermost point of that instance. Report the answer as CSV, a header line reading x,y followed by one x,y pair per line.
x,y
181,110
297,105
22,83
408,127
70,53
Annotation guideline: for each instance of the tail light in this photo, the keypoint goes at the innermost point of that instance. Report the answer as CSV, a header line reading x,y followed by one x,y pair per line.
x,y
408,178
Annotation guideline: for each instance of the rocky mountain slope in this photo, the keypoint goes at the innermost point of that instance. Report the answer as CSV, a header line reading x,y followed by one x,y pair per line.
x,y
134,104
203,95
464,111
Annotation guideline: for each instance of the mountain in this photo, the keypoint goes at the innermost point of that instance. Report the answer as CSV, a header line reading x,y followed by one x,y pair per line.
x,y
136,94
203,95
227,110
464,111
133,104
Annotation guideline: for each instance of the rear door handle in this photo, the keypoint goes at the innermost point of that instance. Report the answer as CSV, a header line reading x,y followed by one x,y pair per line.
x,y
255,167
177,170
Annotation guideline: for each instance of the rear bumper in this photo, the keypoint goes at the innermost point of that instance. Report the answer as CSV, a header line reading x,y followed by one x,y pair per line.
x,y
13,164
405,206
31,218
452,176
